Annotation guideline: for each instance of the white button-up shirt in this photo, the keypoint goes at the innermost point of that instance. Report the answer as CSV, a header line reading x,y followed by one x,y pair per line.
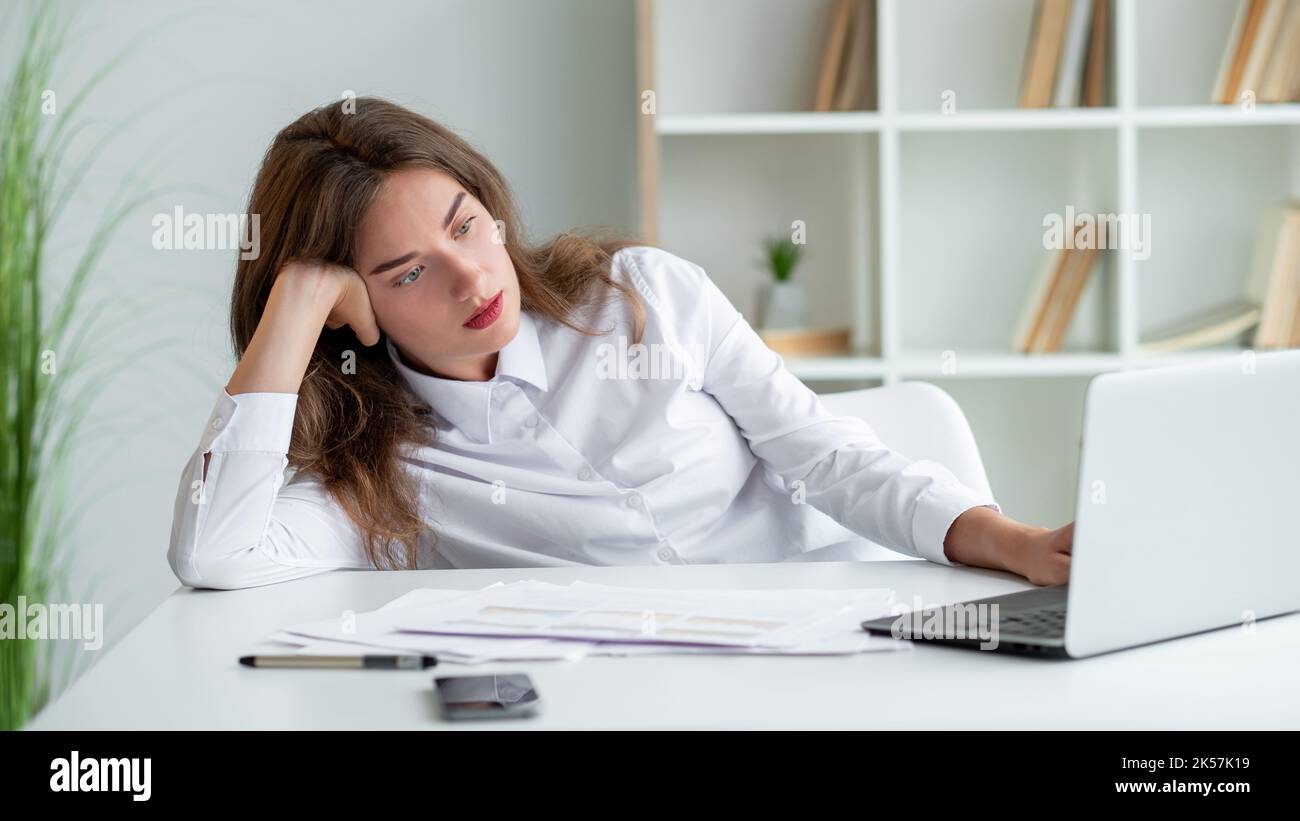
x,y
695,446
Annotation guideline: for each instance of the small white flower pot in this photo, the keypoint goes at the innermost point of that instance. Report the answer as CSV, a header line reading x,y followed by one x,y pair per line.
x,y
782,305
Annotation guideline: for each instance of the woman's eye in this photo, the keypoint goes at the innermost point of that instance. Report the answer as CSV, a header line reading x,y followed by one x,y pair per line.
x,y
417,270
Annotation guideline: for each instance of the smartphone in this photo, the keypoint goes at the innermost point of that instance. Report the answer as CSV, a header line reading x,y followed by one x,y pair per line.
x,y
508,695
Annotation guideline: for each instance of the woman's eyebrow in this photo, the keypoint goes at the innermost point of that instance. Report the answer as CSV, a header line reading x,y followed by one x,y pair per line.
x,y
393,263
451,212
407,257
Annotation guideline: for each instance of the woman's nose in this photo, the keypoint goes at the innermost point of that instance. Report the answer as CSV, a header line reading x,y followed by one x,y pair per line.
x,y
466,279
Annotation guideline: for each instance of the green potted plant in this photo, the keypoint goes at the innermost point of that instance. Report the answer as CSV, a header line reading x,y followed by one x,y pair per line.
x,y
44,393
782,302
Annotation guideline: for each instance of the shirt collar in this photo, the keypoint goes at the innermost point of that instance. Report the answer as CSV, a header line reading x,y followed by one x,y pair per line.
x,y
468,405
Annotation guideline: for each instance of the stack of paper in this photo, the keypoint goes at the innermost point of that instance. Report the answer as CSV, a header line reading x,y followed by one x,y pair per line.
x,y
532,620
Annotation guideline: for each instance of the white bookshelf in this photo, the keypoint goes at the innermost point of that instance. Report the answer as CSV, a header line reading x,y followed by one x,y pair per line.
x,y
871,122
925,227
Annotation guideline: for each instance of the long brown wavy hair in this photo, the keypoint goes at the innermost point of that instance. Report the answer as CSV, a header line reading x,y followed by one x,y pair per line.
x,y
316,181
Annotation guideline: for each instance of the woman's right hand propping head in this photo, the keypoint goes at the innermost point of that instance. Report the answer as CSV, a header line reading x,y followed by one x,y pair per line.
x,y
350,300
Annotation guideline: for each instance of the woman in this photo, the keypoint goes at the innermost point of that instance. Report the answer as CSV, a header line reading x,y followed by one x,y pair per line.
x,y
451,396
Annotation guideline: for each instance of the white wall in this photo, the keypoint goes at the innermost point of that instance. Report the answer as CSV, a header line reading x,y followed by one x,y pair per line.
x,y
545,89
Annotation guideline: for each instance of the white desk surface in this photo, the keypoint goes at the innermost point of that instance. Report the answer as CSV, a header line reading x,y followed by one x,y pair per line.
x,y
178,669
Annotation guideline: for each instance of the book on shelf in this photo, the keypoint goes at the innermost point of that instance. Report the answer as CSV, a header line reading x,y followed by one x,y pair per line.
x,y
1066,58
1046,31
1069,72
1094,73
852,94
1078,271
1295,326
1215,326
1281,81
1223,77
1057,289
847,81
1262,54
1273,280
807,341
1270,305
1031,316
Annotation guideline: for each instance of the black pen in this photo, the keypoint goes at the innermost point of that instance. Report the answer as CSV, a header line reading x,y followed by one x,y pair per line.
x,y
407,662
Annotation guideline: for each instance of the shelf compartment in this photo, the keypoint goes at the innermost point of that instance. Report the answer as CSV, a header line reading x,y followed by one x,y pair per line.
x,y
971,215
720,197
731,56
1206,191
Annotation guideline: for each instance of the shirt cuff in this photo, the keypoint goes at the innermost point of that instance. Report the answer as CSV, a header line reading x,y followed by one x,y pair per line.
x,y
260,422
936,509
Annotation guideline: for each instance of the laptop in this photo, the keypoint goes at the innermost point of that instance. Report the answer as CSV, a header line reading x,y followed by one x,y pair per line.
x,y
1187,517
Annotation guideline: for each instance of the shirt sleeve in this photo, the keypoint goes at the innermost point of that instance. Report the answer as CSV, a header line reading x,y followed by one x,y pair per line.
x,y
847,472
244,526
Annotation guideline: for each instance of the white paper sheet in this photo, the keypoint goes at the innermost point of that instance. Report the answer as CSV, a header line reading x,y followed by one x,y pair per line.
x,y
735,618
754,622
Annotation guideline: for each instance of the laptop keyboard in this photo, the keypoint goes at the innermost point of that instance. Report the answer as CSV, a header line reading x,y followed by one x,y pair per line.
x,y
1046,621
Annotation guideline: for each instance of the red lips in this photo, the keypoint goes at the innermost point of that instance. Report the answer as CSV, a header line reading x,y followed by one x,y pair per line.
x,y
488,314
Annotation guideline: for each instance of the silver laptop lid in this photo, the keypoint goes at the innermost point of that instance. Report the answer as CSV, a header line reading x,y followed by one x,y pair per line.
x,y
1189,491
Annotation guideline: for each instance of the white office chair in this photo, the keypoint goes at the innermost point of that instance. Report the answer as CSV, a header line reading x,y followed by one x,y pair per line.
x,y
920,421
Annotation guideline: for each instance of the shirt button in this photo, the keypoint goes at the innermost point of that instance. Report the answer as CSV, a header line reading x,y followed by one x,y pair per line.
x,y
666,553
634,499
217,422
531,421
586,473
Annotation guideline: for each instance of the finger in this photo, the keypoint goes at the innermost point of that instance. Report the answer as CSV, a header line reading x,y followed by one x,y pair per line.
x,y
366,328
360,314
1065,538
367,333
1062,568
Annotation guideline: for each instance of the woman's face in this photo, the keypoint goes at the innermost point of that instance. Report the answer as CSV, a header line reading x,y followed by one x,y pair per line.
x,y
431,259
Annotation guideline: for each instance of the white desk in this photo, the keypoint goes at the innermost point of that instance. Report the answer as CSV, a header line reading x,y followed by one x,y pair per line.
x,y
178,669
